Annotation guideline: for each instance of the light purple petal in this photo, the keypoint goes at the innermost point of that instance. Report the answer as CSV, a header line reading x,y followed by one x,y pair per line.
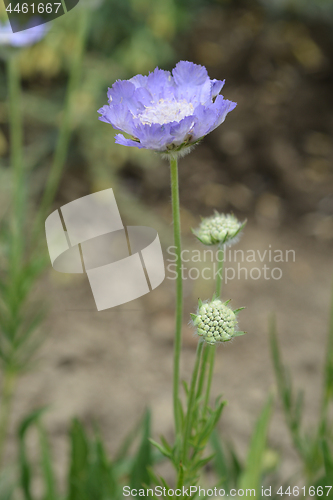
x,y
121,90
206,117
139,81
181,131
119,117
188,73
193,83
210,117
217,87
223,107
160,84
195,94
155,136
143,98
120,139
124,93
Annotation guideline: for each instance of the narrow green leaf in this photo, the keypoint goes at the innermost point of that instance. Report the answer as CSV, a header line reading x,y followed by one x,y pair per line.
x,y
236,467
109,480
204,461
164,483
165,444
180,475
328,458
128,442
161,448
292,408
46,465
24,464
139,474
78,463
251,476
155,479
210,424
185,385
181,412
101,482
220,463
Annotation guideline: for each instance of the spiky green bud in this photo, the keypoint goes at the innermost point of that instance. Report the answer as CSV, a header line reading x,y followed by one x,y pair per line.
x,y
216,322
220,229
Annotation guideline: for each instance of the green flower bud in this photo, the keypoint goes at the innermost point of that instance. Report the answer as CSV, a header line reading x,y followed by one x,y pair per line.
x,y
219,229
216,322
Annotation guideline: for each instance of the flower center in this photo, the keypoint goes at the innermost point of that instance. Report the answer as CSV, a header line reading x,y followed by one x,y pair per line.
x,y
166,111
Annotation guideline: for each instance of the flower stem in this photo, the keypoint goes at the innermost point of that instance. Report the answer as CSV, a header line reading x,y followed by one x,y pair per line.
x,y
212,348
220,262
179,293
211,360
203,369
16,159
191,399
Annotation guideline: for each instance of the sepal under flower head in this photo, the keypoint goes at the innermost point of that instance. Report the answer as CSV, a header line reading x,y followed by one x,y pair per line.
x,y
216,322
222,229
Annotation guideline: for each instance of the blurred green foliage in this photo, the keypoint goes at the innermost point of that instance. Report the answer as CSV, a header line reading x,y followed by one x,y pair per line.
x,y
91,474
314,9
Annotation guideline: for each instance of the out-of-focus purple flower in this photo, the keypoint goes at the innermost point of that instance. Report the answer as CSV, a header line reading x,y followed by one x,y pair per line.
x,y
23,38
166,112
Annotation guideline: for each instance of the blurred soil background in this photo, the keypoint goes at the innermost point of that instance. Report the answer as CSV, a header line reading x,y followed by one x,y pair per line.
x,y
270,162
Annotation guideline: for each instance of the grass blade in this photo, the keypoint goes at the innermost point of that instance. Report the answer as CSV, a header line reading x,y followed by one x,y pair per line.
x,y
251,476
139,474
79,462
220,463
46,465
24,464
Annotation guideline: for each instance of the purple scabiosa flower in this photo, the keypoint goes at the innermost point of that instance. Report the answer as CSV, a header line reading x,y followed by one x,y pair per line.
x,y
166,112
29,36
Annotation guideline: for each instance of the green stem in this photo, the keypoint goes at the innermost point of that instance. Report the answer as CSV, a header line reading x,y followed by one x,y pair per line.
x,y
203,369
179,294
16,158
61,150
212,349
220,262
211,360
191,399
8,390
